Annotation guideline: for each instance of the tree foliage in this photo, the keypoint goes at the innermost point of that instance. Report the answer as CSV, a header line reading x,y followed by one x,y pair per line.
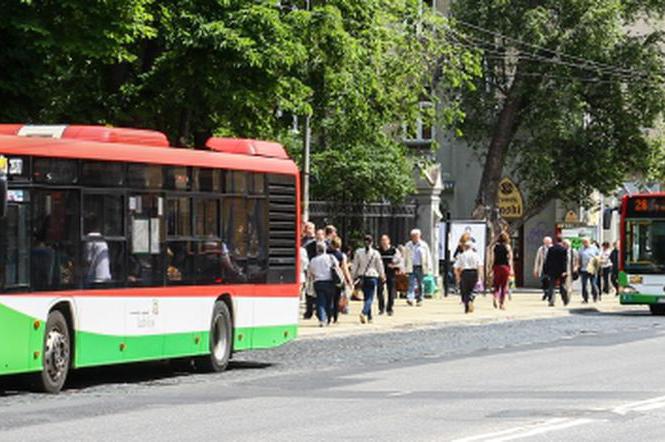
x,y
194,68
566,94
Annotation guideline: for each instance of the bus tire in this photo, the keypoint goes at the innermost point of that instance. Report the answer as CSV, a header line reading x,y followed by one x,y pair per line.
x,y
221,339
56,354
657,309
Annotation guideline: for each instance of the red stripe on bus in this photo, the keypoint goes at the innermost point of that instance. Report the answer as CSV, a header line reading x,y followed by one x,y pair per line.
x,y
244,290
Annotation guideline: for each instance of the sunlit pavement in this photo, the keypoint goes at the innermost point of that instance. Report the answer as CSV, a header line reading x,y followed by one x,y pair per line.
x,y
525,304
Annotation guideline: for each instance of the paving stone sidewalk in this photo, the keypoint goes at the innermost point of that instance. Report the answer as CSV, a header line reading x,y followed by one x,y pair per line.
x,y
525,304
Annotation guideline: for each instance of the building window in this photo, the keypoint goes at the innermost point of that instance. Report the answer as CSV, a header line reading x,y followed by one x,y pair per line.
x,y
422,131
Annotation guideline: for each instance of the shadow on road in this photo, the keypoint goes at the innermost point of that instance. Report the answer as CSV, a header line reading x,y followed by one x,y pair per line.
x,y
592,311
137,373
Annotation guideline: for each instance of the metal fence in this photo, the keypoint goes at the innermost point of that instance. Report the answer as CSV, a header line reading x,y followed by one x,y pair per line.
x,y
355,220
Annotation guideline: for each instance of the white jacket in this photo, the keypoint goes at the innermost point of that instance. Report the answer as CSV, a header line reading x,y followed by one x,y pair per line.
x,y
425,254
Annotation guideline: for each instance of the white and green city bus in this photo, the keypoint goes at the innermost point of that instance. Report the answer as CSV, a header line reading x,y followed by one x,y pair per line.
x,y
116,247
642,275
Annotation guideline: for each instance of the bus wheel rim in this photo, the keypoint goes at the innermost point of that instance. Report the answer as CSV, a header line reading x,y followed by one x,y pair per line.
x,y
56,355
220,338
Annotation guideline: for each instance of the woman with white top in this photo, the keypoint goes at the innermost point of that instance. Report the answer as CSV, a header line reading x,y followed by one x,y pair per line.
x,y
468,271
320,273
368,269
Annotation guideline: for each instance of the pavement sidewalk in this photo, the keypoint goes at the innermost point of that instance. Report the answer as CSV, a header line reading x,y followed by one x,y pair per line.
x,y
525,304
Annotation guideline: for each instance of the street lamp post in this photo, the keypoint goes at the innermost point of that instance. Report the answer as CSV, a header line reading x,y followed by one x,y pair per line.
x,y
306,168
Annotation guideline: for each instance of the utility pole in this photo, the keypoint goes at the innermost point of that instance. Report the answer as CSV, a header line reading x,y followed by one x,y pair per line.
x,y
306,168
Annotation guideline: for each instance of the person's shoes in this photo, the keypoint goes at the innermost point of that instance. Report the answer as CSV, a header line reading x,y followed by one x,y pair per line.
x,y
409,302
369,321
380,312
502,307
471,307
363,319
419,303
322,324
494,302
307,316
585,301
390,313
551,304
544,297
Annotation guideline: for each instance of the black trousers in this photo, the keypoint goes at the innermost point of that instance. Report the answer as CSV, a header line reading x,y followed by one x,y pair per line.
x,y
467,284
562,290
334,307
605,283
389,287
310,302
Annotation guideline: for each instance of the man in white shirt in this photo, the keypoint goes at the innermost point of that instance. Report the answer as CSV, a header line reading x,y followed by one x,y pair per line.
x,y
418,263
320,272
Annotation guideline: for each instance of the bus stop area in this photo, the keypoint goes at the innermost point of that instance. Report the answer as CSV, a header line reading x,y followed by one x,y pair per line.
x,y
525,304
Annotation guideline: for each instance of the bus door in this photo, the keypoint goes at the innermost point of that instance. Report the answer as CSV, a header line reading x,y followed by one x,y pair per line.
x,y
16,278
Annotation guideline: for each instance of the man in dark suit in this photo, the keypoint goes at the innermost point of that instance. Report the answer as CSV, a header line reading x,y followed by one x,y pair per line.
x,y
555,267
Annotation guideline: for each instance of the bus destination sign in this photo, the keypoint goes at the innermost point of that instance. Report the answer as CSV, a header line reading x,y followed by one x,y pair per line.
x,y
643,207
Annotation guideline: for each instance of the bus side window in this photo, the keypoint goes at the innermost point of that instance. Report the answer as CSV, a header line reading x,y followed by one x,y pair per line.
x,y
55,234
16,255
235,238
146,239
104,241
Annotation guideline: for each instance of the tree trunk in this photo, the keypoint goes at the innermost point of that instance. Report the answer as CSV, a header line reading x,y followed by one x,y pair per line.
x,y
502,136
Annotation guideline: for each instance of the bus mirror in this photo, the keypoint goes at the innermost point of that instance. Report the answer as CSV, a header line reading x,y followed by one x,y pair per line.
x,y
3,195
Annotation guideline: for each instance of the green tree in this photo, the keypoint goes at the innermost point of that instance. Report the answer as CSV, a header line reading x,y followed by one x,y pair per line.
x,y
565,96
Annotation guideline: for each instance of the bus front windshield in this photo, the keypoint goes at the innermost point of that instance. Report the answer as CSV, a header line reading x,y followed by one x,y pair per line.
x,y
645,246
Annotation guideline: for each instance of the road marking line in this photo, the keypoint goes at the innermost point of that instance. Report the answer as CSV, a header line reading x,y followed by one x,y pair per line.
x,y
649,404
528,430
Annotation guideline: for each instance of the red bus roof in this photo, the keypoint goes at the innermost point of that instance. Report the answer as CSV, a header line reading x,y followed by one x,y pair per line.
x,y
646,195
92,150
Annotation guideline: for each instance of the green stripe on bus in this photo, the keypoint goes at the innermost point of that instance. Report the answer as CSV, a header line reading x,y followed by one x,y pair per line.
x,y
638,298
22,343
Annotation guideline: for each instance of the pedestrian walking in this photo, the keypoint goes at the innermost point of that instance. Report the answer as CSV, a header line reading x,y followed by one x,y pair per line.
x,y
392,262
418,263
321,270
614,259
468,271
310,294
572,267
339,302
605,267
367,271
502,268
539,262
588,254
556,270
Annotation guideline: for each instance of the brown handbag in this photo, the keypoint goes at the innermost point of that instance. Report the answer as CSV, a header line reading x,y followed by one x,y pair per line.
x,y
402,282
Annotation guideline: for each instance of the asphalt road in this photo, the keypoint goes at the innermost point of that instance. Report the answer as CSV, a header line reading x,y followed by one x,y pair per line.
x,y
589,376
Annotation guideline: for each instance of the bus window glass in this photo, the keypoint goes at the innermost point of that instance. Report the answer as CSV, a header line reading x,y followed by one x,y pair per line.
x,y
177,178
257,248
208,180
235,236
180,262
141,176
102,174
145,240
55,171
17,256
104,215
179,217
645,246
207,218
258,186
236,182
55,234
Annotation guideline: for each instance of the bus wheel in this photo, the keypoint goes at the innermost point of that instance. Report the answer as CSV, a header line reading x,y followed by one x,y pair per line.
x,y
56,354
657,309
220,341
